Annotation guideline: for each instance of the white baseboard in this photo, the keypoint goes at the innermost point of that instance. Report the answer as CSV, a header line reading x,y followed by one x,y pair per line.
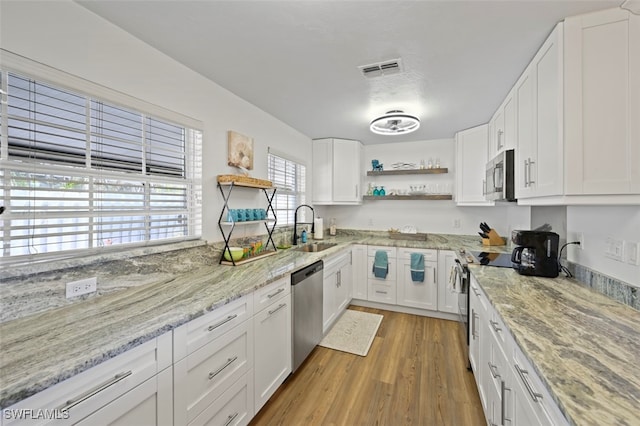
x,y
405,310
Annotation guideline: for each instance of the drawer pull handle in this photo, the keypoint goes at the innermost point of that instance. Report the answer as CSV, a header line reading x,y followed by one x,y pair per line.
x,y
219,370
94,391
503,398
223,322
381,292
494,370
280,290
230,419
522,373
494,324
282,305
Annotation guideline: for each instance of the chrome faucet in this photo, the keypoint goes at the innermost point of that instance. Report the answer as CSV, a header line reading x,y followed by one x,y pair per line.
x,y
295,222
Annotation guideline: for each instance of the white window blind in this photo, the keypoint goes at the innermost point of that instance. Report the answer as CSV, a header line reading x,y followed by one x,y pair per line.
x,y
289,177
78,173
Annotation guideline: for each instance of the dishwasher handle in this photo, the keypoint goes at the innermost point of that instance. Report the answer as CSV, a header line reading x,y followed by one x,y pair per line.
x,y
304,273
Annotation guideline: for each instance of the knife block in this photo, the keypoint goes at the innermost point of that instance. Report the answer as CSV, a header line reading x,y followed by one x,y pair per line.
x,y
494,239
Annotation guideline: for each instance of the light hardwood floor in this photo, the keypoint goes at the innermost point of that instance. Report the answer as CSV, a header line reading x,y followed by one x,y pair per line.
x,y
414,374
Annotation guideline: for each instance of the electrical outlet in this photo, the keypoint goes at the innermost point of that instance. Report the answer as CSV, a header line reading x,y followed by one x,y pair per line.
x,y
456,223
370,221
576,236
80,287
631,252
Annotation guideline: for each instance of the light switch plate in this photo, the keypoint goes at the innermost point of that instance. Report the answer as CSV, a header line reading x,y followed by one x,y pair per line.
x,y
631,252
613,249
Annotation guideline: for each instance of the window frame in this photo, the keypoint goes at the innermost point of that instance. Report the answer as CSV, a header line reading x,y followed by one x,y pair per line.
x,y
191,182
294,197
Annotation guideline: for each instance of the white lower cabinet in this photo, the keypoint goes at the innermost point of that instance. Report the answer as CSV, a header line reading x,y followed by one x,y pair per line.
x,y
359,287
418,294
382,289
234,407
447,288
478,337
272,331
131,388
148,404
205,374
511,392
336,295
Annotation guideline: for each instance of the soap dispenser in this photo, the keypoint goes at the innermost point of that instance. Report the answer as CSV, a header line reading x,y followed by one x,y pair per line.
x,y
303,237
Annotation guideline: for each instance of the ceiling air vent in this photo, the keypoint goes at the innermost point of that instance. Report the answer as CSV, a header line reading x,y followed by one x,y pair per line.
x,y
392,66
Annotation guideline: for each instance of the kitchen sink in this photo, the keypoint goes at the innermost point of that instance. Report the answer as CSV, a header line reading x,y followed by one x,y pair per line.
x,y
314,247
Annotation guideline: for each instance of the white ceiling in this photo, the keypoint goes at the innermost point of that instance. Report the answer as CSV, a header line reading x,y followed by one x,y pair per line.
x,y
298,60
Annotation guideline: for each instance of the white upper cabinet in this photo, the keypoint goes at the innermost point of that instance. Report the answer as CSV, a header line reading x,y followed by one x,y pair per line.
x,y
539,91
578,114
502,127
471,159
602,103
337,177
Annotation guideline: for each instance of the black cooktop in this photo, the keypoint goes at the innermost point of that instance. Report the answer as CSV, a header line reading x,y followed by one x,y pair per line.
x,y
501,260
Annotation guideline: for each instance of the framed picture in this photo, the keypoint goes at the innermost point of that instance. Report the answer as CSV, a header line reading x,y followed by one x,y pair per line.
x,y
240,150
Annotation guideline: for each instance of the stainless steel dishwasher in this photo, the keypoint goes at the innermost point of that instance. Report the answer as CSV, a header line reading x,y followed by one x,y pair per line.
x,y
306,285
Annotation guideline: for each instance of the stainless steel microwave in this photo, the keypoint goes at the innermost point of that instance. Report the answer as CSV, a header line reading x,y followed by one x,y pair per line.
x,y
500,177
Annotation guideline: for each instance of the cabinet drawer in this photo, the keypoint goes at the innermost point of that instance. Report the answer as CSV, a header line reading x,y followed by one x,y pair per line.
x,y
200,331
391,251
205,374
234,407
382,292
268,294
91,390
536,395
337,262
150,403
429,254
500,332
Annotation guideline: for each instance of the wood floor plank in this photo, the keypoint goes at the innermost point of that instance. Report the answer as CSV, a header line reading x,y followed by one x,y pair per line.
x,y
414,374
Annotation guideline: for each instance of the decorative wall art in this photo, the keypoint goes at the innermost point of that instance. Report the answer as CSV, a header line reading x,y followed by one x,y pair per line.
x,y
240,150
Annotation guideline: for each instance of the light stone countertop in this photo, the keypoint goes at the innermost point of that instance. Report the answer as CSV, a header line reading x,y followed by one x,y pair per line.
x,y
584,346
46,348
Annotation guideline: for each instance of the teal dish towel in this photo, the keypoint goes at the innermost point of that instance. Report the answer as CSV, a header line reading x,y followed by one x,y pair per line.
x,y
417,267
381,264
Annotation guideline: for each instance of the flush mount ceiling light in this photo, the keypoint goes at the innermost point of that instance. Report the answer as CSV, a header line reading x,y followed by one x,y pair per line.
x,y
395,123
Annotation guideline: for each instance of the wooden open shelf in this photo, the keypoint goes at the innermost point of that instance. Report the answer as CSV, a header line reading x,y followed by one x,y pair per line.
x,y
410,197
247,222
408,172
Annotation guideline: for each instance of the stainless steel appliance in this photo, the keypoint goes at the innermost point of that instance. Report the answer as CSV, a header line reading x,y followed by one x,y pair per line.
x,y
536,254
306,285
501,260
462,278
500,177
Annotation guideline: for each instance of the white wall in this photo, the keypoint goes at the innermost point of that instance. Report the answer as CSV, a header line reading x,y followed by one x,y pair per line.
x,y
66,36
597,224
427,216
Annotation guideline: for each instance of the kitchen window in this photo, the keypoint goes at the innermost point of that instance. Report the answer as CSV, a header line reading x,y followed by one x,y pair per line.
x,y
78,173
289,178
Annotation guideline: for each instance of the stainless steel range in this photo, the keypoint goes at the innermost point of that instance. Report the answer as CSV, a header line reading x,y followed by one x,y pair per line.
x,y
462,278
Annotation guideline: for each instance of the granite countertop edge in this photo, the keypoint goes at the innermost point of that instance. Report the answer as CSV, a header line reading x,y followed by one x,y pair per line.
x,y
530,307
14,389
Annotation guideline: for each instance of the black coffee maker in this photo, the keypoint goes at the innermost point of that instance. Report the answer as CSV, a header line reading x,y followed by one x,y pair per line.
x,y
536,254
